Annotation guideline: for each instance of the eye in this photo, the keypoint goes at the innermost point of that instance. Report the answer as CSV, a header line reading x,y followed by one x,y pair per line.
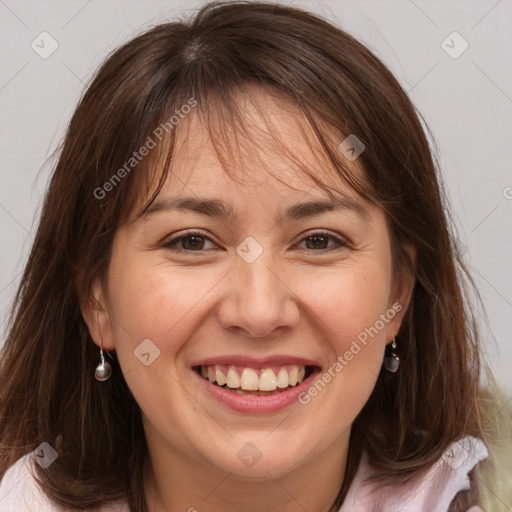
x,y
319,240
195,241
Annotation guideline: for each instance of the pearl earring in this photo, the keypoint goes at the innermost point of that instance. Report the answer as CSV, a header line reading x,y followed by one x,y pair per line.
x,y
103,370
391,360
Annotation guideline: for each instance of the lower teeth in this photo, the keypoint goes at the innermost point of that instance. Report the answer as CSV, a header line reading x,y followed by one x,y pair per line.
x,y
255,393
258,392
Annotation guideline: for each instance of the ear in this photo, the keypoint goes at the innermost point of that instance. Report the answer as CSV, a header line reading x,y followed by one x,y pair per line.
x,y
96,316
402,289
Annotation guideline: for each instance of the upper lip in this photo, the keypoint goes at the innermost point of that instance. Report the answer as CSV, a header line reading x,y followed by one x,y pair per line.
x,y
255,362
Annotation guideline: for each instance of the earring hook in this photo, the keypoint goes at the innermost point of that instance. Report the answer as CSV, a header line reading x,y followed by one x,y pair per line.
x,y
104,369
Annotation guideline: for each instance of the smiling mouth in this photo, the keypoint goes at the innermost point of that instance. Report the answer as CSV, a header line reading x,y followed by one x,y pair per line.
x,y
255,381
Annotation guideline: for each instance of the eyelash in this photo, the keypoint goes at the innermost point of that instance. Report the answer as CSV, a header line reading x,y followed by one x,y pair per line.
x,y
173,242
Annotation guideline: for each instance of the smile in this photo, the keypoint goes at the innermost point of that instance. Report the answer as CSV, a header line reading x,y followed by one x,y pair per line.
x,y
255,389
238,378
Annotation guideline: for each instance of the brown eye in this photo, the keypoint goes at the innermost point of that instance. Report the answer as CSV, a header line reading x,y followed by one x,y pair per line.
x,y
193,242
320,242
317,242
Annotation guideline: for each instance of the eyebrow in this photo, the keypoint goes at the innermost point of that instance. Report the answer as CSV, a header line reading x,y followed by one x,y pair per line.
x,y
219,209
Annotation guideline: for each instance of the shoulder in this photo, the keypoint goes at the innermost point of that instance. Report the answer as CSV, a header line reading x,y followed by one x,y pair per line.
x,y
19,491
428,491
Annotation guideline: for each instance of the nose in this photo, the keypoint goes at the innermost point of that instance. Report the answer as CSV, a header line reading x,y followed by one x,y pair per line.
x,y
258,302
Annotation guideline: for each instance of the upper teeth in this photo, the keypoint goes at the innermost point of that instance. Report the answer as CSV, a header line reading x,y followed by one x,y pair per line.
x,y
248,379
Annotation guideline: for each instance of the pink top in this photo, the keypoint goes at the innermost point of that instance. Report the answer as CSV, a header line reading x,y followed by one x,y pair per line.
x,y
430,491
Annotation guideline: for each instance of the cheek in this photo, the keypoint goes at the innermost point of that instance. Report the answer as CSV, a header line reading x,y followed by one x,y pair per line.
x,y
164,305
350,302
156,301
351,311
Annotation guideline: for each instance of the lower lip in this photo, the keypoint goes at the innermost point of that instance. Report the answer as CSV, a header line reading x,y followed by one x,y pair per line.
x,y
256,404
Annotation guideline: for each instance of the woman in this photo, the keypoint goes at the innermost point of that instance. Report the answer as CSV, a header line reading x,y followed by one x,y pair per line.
x,y
243,292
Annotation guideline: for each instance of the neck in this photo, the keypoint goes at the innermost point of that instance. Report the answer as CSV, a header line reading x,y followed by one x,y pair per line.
x,y
175,482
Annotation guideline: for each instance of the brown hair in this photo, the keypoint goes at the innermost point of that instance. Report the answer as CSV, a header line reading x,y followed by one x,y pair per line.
x,y
47,388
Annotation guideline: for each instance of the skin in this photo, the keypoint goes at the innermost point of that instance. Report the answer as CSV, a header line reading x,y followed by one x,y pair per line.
x,y
294,299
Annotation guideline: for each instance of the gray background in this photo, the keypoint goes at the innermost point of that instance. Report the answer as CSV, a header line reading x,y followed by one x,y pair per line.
x,y
467,102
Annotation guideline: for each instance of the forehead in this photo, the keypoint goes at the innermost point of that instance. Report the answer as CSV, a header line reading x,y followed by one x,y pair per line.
x,y
268,143
262,146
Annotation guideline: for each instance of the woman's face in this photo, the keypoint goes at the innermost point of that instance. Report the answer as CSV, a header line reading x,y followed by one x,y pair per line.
x,y
274,285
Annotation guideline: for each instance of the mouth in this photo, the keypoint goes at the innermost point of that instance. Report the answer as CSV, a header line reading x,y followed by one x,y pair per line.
x,y
256,381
